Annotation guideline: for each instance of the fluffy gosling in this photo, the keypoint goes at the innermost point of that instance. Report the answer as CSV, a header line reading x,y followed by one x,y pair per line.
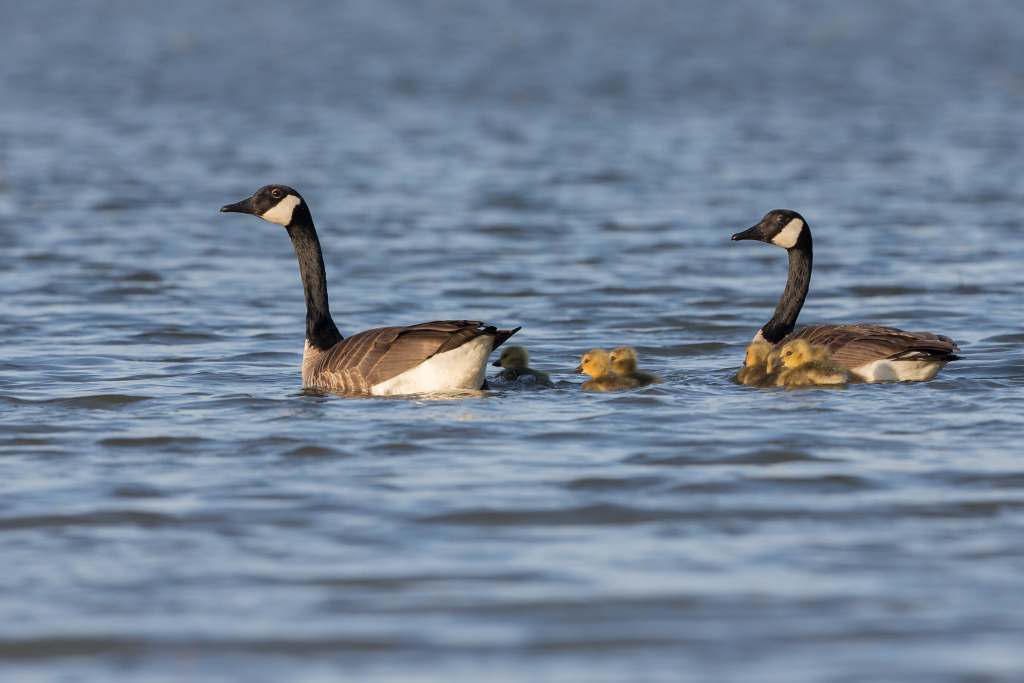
x,y
757,370
598,365
516,363
803,363
624,363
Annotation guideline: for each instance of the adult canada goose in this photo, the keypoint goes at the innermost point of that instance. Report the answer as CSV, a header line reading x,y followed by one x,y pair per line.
x,y
874,353
757,370
436,356
598,365
623,360
516,363
802,363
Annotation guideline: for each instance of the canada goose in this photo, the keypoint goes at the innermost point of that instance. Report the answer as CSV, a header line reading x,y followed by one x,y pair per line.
x,y
874,353
516,360
758,370
804,363
435,356
598,365
623,360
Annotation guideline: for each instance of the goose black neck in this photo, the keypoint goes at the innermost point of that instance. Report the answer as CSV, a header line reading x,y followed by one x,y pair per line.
x,y
321,332
784,319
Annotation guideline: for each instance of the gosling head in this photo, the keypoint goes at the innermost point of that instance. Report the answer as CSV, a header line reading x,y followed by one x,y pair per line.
x,y
275,203
595,363
513,357
794,354
782,227
623,359
757,354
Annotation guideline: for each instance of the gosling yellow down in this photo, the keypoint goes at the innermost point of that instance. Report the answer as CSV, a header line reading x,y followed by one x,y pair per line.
x,y
624,363
804,363
597,363
757,370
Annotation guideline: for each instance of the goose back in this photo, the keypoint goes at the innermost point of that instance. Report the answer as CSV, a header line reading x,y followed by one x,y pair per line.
x,y
861,344
372,358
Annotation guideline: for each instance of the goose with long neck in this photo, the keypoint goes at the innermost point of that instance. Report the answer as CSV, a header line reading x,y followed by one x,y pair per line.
x,y
443,355
873,353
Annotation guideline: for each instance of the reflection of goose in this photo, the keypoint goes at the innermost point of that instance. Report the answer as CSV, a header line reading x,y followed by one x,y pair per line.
x,y
872,352
804,363
623,360
516,361
436,356
757,370
598,365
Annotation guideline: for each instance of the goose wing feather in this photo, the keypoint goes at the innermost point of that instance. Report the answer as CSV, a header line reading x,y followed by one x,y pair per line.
x,y
855,345
374,356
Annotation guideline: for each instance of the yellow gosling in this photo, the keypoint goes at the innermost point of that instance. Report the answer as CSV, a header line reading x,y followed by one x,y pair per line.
x,y
757,370
803,363
772,372
516,363
597,363
624,363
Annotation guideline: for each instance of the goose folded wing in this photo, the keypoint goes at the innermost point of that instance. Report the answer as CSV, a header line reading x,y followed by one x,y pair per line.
x,y
377,355
855,345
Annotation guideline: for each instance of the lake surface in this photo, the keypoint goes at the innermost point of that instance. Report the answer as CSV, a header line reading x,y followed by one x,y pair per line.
x,y
174,506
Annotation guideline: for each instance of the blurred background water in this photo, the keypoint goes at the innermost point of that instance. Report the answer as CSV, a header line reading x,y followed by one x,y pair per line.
x,y
175,507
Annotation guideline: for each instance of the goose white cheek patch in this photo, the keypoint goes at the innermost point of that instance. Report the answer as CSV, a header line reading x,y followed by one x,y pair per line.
x,y
282,213
788,236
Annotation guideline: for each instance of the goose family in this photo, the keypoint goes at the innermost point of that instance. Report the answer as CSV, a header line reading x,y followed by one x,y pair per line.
x,y
802,363
447,355
515,363
874,353
597,363
437,356
623,359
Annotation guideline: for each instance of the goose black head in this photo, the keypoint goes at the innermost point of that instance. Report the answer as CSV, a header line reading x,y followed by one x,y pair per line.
x,y
781,227
275,203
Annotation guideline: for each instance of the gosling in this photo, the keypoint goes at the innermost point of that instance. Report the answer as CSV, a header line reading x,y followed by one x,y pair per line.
x,y
624,363
757,370
516,363
598,365
802,363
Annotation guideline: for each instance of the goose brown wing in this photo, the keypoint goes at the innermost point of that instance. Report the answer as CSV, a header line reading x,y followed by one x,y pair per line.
x,y
377,355
855,345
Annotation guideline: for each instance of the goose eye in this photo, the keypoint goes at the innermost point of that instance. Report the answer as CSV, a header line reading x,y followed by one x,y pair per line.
x,y
586,360
276,194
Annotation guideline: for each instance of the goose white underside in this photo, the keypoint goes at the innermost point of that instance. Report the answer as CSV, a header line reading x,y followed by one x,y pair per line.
x,y
461,368
886,370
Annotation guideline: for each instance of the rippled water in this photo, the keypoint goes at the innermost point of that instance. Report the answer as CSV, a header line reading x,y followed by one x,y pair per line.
x,y
174,506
